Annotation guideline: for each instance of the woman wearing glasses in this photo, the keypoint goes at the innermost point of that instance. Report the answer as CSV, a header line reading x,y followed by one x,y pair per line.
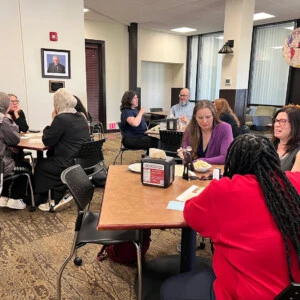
x,y
286,137
208,136
17,114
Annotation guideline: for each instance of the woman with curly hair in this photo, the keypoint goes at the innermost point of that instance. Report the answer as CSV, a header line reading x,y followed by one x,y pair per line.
x,y
252,216
133,124
286,137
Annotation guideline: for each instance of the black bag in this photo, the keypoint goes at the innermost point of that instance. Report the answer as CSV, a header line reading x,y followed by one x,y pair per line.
x,y
99,179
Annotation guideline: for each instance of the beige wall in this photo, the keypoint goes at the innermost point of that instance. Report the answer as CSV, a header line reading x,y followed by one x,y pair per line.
x,y
27,25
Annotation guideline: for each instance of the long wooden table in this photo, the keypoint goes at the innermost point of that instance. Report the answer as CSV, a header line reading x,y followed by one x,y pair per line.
x,y
33,141
128,204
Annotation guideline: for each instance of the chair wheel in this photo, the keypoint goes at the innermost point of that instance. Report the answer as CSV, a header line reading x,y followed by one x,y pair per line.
x,y
32,208
77,261
202,246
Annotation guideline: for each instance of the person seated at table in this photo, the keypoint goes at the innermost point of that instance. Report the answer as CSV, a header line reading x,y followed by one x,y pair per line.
x,y
67,132
286,137
226,114
17,114
252,215
184,109
80,108
15,189
134,125
207,135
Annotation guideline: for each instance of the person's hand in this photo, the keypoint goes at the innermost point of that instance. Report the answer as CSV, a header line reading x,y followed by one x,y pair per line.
x,y
180,153
184,119
142,110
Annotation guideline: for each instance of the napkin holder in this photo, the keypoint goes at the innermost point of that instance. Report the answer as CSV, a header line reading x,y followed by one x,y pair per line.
x,y
172,124
157,172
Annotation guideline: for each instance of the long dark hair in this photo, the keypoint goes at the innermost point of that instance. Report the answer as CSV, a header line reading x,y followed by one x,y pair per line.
x,y
253,154
222,107
127,99
293,114
194,129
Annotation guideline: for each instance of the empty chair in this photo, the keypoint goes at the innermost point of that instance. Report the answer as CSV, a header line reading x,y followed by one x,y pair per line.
x,y
123,148
86,222
170,142
261,123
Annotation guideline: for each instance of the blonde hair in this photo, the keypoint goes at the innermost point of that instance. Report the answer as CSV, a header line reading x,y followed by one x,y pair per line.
x,y
64,101
222,107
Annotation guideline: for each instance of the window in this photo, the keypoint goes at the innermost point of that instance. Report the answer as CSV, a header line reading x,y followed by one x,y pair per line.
x,y
269,72
205,66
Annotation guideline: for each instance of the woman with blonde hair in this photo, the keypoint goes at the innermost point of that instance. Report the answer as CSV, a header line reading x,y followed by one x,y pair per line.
x,y
64,137
226,114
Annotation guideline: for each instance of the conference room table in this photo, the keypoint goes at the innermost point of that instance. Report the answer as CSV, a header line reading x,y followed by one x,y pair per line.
x,y
128,204
33,141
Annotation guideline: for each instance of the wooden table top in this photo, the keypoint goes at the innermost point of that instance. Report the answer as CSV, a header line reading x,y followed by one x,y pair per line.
x,y
128,204
32,141
159,113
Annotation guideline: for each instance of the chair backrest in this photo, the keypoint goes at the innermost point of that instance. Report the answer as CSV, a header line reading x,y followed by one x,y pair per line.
x,y
265,111
156,109
90,154
79,185
170,140
261,120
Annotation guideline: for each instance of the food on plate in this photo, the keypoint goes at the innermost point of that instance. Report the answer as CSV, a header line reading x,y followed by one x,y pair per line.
x,y
200,164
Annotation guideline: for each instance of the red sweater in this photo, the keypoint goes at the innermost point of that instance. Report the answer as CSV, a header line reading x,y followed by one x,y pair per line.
x,y
249,259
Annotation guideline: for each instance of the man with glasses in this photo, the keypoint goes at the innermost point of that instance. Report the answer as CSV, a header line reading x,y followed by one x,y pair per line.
x,y
17,114
184,109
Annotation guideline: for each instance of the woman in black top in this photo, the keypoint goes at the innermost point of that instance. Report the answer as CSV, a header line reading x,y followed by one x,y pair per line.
x,y
67,132
17,114
226,114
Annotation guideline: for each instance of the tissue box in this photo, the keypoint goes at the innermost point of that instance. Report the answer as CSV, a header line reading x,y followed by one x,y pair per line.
x,y
157,172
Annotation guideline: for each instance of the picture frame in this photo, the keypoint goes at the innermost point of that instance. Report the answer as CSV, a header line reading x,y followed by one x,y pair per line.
x,y
56,63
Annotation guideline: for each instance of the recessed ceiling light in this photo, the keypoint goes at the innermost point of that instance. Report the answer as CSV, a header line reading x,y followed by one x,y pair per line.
x,y
261,16
183,29
85,10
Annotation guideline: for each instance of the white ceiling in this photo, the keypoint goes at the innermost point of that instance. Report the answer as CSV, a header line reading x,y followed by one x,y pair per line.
x,y
163,15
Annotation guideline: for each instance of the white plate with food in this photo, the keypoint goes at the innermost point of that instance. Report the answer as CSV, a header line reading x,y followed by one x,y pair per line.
x,y
201,166
136,168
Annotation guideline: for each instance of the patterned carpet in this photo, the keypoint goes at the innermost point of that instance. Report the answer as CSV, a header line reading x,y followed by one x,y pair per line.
x,y
33,245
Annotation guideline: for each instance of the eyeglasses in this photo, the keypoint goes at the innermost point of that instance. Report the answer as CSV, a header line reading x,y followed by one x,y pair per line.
x,y
281,122
181,95
204,118
14,101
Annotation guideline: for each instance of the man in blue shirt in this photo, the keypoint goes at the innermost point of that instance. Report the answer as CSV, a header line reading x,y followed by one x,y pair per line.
x,y
184,109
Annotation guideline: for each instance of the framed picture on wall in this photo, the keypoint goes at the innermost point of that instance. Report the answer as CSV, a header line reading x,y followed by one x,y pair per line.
x,y
56,63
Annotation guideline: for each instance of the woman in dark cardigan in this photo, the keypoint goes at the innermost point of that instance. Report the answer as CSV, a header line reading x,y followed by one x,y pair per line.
x,y
67,132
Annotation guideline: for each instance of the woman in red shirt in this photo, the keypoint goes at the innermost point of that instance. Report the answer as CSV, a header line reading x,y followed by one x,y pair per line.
x,y
252,216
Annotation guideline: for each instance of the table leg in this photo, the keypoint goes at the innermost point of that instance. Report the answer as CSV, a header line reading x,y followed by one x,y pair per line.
x,y
188,252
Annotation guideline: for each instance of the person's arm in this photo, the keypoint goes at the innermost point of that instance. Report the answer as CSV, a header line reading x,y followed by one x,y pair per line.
x,y
52,134
199,212
135,121
171,113
221,141
21,121
10,131
296,166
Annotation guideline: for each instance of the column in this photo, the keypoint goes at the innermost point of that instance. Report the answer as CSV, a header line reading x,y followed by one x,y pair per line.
x,y
238,26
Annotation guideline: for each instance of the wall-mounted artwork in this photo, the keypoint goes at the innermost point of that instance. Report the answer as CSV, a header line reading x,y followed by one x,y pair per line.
x,y
291,49
56,63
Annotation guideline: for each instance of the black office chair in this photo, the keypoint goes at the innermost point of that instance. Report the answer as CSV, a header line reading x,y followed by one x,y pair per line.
x,y
291,292
86,222
123,148
13,176
170,142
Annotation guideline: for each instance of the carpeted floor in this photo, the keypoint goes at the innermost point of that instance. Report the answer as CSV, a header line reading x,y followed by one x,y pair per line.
x,y
33,245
